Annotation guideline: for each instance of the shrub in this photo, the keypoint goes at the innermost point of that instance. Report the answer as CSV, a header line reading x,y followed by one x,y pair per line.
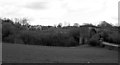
x,y
9,39
114,38
47,38
28,37
8,32
105,35
111,36
59,39
75,33
94,41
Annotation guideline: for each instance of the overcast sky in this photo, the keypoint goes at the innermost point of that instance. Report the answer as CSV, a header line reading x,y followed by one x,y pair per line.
x,y
50,12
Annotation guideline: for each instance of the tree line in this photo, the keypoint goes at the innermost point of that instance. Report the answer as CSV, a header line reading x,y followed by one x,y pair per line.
x,y
21,32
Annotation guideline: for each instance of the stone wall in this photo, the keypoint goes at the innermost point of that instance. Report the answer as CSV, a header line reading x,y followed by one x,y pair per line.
x,y
85,35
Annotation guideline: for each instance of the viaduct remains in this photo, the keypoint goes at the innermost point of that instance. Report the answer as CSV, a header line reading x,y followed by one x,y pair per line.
x,y
86,33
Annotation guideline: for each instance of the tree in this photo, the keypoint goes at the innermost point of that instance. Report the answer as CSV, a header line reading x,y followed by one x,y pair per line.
x,y
22,23
105,24
59,25
8,31
89,25
76,25
7,20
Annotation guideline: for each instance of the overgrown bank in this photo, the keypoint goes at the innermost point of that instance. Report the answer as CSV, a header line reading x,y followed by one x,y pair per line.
x,y
56,36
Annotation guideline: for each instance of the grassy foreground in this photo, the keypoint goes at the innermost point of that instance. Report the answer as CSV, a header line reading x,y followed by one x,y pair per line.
x,y
18,53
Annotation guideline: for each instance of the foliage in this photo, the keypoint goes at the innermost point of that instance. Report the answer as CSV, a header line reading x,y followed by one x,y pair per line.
x,y
105,24
52,36
59,25
105,35
94,41
114,37
49,39
75,33
76,25
8,30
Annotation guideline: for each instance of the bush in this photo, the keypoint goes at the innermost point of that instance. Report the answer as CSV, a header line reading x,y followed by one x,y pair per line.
x,y
9,39
8,32
47,38
28,37
50,37
111,36
114,38
94,41
61,39
75,33
105,35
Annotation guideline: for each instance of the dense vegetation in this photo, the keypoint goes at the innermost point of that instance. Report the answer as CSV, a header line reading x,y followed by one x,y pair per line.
x,y
23,33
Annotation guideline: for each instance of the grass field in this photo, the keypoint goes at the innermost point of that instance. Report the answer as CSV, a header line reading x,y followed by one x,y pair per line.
x,y
17,53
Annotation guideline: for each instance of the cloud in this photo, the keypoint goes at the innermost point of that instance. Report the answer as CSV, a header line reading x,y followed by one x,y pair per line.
x,y
54,11
37,5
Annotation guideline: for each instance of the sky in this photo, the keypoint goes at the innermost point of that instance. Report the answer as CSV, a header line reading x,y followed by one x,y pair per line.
x,y
53,12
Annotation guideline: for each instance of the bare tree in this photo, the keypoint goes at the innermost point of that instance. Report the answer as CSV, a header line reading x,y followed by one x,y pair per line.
x,y
24,21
